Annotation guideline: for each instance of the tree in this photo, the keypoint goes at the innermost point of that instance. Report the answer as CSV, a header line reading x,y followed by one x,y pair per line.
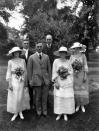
x,y
7,3
4,44
62,24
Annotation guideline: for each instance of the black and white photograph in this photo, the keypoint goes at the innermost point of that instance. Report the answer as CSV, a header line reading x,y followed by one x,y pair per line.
x,y
49,65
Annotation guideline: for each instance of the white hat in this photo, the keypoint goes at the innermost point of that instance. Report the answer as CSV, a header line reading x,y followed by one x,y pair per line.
x,y
14,49
49,37
76,45
61,49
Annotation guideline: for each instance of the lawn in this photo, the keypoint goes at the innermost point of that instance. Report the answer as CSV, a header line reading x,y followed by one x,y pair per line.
x,y
88,121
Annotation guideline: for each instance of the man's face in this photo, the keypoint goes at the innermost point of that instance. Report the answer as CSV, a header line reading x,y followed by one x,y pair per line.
x,y
39,47
49,41
25,44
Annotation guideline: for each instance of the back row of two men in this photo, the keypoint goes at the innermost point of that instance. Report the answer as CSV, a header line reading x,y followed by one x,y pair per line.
x,y
39,72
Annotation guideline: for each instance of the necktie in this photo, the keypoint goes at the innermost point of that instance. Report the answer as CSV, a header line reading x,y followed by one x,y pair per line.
x,y
40,56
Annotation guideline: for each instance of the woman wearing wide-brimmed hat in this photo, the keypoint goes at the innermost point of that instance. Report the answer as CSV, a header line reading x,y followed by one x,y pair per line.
x,y
80,67
62,76
16,77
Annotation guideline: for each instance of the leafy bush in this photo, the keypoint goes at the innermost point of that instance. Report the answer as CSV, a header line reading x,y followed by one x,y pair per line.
x,y
41,24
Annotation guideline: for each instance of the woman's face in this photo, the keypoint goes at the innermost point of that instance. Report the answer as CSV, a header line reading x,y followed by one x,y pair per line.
x,y
16,54
62,54
76,50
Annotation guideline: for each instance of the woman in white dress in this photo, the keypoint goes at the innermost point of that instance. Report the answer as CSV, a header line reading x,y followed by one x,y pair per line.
x,y
16,77
62,76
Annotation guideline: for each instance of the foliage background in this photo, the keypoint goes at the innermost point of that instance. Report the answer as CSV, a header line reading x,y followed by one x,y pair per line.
x,y
44,18
65,28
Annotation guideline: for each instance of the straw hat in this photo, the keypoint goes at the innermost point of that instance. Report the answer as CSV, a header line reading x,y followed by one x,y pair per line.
x,y
76,45
14,49
62,49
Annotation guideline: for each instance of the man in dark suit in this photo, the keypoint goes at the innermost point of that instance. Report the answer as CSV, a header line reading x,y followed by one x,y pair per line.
x,y
25,55
39,74
26,50
49,48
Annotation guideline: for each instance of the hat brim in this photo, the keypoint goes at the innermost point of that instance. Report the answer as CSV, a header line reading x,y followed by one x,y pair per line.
x,y
73,47
57,53
11,52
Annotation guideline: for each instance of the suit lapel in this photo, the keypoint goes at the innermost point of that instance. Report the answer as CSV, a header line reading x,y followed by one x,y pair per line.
x,y
37,57
29,53
42,57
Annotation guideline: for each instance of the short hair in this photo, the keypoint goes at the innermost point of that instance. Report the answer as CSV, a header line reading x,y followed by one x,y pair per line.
x,y
49,37
39,43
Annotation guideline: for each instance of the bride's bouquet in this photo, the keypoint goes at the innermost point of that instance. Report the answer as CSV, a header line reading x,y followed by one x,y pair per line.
x,y
63,72
77,66
19,73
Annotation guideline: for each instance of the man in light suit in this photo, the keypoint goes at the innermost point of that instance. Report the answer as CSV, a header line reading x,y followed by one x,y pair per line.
x,y
39,75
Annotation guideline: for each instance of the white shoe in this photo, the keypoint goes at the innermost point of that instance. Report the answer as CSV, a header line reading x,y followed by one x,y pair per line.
x,y
58,117
65,117
82,108
77,108
21,115
14,117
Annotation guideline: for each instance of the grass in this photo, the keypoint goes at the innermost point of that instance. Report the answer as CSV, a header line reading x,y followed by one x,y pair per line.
x,y
88,121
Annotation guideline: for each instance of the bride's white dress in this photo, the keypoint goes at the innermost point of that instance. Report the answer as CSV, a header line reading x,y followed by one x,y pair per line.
x,y
16,99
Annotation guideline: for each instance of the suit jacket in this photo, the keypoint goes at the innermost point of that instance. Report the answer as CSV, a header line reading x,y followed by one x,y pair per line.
x,y
49,52
39,71
24,57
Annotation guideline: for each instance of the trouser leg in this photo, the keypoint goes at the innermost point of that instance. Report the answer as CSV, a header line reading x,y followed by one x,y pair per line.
x,y
31,96
45,90
38,99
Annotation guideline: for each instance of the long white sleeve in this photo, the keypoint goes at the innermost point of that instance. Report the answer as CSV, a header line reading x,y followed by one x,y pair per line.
x,y
8,74
54,70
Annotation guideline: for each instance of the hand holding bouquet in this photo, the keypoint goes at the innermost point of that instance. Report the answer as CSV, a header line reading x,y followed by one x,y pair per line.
x,y
56,84
63,72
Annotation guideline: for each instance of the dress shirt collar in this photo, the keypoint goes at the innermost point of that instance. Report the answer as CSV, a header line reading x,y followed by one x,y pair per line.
x,y
39,53
25,49
49,45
